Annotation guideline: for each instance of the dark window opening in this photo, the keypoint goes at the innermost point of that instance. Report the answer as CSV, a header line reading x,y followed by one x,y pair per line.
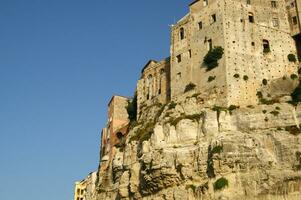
x,y
200,25
119,135
190,53
162,71
159,92
295,20
274,4
253,44
213,18
179,58
251,18
182,33
249,2
266,46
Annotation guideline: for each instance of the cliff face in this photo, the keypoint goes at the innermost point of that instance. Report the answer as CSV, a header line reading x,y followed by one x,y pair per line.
x,y
189,150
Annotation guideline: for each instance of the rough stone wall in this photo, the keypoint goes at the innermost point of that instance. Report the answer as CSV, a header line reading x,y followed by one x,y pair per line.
x,y
294,10
244,48
193,49
154,84
90,186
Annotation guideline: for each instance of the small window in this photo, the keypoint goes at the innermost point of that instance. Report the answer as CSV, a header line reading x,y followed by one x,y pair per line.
x,y
78,191
266,46
182,33
77,198
275,22
200,25
162,71
82,192
251,18
213,17
249,2
295,20
209,44
274,4
205,2
253,44
190,53
179,58
292,4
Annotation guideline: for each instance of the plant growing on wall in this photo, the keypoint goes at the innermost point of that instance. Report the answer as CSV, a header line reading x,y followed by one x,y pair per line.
x,y
211,78
294,76
132,108
212,57
291,57
189,87
220,183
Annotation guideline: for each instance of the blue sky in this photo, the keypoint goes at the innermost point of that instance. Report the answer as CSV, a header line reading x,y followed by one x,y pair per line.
x,y
60,63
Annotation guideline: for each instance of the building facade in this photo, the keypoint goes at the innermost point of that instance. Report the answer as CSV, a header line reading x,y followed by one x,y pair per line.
x,y
154,84
255,36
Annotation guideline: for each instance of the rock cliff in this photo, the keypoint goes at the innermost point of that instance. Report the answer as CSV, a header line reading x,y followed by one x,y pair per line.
x,y
191,150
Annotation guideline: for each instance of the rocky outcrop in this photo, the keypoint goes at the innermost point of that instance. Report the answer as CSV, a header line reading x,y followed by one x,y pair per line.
x,y
194,151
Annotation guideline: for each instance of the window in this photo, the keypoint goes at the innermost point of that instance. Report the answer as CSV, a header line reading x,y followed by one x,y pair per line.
x,y
213,17
205,2
77,198
266,46
275,22
78,191
200,25
162,71
209,42
251,18
190,53
295,20
82,192
292,4
179,58
182,33
274,4
253,44
249,2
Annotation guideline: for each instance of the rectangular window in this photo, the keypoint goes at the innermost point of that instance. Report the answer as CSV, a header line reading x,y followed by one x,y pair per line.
x,y
275,22
190,53
179,58
249,2
205,2
213,17
251,18
200,25
295,20
274,4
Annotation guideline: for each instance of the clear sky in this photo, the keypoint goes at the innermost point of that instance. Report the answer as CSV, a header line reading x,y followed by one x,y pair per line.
x,y
60,62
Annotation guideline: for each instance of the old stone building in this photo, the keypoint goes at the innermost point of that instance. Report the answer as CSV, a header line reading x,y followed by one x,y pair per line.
x,y
294,13
255,36
154,84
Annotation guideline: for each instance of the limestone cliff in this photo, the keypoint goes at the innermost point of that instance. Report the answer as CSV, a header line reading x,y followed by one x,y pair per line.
x,y
191,150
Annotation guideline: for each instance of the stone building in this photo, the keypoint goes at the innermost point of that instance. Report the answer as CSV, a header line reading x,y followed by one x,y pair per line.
x,y
256,40
154,84
294,14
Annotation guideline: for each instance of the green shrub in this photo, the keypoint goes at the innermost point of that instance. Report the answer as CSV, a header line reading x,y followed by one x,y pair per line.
x,y
217,149
264,81
294,76
144,133
296,95
212,57
277,108
132,108
259,94
291,57
236,75
275,113
264,111
250,106
211,78
172,105
220,183
194,117
294,130
246,77
189,87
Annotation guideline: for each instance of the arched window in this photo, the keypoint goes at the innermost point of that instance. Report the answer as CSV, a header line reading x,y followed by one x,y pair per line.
x,y
182,33
266,46
251,17
162,71
149,86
